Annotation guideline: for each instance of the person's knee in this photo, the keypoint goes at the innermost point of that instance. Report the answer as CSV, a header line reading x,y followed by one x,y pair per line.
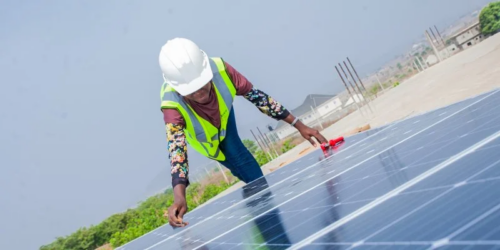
x,y
242,153
244,164
234,171
246,170
251,172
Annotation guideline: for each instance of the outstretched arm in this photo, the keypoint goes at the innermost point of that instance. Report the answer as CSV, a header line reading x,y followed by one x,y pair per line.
x,y
266,104
269,106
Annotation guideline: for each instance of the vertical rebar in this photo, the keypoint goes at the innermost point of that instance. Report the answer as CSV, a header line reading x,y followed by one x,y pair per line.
x,y
272,143
444,45
347,79
360,91
349,91
269,144
264,144
355,72
352,86
435,37
345,85
261,148
439,34
429,39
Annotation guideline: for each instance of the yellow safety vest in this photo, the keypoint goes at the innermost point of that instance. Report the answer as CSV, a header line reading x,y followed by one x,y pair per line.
x,y
201,134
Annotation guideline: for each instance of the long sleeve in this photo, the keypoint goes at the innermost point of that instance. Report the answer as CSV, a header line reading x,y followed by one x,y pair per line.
x,y
177,148
266,104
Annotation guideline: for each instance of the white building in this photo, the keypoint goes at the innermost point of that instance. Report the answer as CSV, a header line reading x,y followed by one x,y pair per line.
x,y
452,49
457,42
357,97
469,36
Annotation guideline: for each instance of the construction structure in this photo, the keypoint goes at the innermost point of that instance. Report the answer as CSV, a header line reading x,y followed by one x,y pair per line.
x,y
468,37
459,41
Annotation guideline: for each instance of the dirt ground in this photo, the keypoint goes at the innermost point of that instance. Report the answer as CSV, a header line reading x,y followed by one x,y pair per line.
x,y
467,74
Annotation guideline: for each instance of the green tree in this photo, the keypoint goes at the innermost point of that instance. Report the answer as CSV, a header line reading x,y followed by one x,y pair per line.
x,y
250,145
489,18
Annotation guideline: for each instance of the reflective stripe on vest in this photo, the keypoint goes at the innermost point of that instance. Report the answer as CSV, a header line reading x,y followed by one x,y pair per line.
x,y
221,81
200,134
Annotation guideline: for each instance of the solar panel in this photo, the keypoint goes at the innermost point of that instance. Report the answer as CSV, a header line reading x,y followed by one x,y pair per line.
x,y
429,181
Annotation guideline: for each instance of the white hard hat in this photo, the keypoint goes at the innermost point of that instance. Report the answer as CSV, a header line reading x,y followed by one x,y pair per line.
x,y
184,65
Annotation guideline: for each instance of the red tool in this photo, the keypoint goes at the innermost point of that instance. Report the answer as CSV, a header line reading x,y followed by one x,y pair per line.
x,y
332,143
337,141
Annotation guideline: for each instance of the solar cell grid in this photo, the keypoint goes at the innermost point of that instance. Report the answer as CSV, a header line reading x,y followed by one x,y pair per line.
x,y
302,202
395,217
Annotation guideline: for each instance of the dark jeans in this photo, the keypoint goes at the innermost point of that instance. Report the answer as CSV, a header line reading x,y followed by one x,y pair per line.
x,y
238,159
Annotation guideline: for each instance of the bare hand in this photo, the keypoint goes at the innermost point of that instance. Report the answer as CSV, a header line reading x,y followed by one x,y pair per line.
x,y
308,133
176,212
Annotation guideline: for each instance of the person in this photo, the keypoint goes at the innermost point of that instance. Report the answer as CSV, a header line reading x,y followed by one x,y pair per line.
x,y
197,104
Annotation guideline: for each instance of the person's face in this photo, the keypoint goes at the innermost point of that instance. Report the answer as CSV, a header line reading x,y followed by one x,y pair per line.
x,y
201,95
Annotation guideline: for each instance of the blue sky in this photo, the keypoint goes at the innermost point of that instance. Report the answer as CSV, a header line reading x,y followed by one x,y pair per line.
x,y
81,131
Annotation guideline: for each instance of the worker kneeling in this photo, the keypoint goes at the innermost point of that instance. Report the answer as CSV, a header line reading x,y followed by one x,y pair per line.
x,y
197,104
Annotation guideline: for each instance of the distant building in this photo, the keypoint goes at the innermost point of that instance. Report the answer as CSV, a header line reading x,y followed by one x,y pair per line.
x,y
313,108
468,37
431,60
357,97
455,43
452,49
418,48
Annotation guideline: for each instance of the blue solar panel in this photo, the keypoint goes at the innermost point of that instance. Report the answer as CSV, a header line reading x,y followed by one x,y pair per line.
x,y
439,207
427,181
